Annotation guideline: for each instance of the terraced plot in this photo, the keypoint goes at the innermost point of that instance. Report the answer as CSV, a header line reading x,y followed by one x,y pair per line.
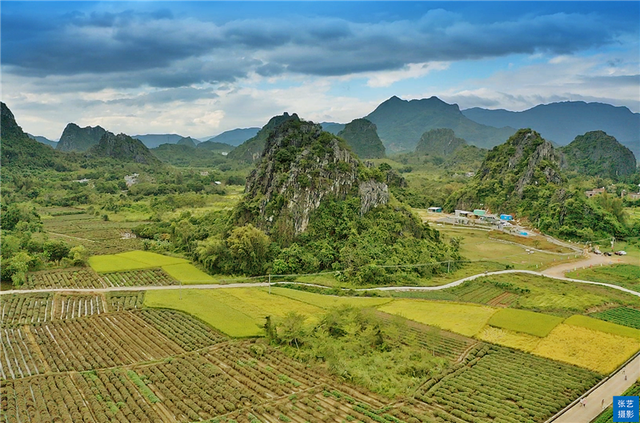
x,y
101,341
125,300
20,309
622,315
74,306
142,277
18,357
496,384
77,278
524,321
187,331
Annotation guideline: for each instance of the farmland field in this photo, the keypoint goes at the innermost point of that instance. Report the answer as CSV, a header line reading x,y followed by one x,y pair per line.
x,y
622,315
606,327
465,319
187,273
607,415
328,301
496,384
17,359
507,338
74,306
598,351
536,324
626,275
68,278
141,277
125,300
19,309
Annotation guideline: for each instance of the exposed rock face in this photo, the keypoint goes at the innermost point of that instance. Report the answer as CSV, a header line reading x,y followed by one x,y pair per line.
x,y
598,154
362,136
75,138
123,147
300,167
372,194
439,142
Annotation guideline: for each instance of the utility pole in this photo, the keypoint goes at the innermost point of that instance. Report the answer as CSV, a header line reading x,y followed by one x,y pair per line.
x,y
269,283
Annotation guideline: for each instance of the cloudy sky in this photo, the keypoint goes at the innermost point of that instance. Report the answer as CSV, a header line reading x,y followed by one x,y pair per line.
x,y
199,68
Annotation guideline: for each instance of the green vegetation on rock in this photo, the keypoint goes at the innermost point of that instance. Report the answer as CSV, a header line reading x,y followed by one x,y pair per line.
x,y
598,154
362,136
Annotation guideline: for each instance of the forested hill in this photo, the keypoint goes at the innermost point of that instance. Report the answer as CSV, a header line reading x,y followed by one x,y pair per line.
x,y
311,205
439,142
523,177
362,136
75,138
562,122
401,123
20,151
250,150
598,154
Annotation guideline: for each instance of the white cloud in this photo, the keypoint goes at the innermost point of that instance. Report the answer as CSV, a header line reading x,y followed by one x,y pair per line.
x,y
410,71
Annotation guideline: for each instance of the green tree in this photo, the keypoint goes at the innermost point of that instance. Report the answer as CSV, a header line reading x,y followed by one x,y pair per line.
x,y
250,250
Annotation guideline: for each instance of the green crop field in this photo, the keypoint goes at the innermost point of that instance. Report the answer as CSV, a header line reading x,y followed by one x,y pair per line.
x,y
328,301
627,275
465,319
205,305
131,260
536,324
622,315
187,273
606,327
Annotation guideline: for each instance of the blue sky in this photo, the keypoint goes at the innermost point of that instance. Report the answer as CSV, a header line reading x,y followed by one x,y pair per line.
x,y
199,68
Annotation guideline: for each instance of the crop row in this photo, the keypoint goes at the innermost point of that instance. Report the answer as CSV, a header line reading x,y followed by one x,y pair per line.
x,y
52,398
503,300
185,330
80,278
17,360
143,277
25,308
479,292
101,341
622,315
74,306
119,301
495,384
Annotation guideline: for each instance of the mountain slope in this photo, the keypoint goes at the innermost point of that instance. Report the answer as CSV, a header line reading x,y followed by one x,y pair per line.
x,y
75,138
154,140
332,127
439,142
218,147
236,136
123,148
562,122
185,156
401,123
362,137
598,154
188,141
250,150
43,140
20,151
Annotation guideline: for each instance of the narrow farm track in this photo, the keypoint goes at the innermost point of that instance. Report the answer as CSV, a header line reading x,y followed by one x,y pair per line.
x,y
266,284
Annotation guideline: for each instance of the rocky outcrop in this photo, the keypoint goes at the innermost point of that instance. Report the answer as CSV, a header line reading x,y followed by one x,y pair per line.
x,y
598,154
123,147
250,151
299,168
75,138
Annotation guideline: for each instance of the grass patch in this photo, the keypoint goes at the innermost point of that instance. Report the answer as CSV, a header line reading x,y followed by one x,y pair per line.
x,y
537,242
187,273
206,305
258,303
465,319
606,327
536,324
151,259
626,275
594,350
328,301
131,260
622,316
517,340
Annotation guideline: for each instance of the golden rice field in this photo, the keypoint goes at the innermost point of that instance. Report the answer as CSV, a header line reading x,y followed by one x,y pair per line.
x,y
517,340
602,326
465,319
595,350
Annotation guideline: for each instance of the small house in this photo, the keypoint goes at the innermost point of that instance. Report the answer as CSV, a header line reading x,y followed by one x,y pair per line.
x,y
594,192
506,217
435,209
462,213
479,212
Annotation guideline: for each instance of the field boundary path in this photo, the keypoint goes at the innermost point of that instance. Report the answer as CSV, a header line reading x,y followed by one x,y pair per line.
x,y
266,284
615,384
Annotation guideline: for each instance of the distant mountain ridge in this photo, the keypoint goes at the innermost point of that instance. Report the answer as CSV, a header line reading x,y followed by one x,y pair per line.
x,y
235,137
250,150
562,122
75,138
401,123
154,140
361,136
439,142
43,140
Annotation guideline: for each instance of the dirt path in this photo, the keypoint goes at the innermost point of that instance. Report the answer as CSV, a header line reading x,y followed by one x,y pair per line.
x,y
592,260
615,385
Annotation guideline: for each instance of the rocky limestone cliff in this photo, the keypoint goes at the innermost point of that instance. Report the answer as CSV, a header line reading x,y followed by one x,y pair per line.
x,y
300,167
362,136
123,147
75,138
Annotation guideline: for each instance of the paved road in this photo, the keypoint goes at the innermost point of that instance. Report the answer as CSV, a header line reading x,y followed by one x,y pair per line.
x,y
615,385
592,260
264,284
